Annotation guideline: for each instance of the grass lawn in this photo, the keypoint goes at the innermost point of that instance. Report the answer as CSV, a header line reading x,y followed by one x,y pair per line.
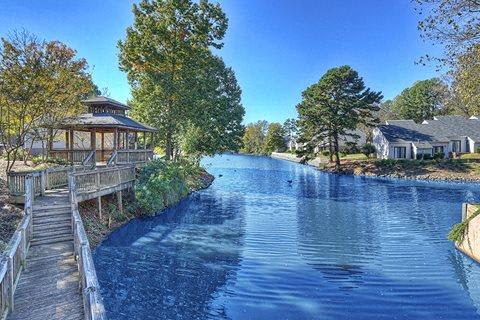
x,y
354,156
474,156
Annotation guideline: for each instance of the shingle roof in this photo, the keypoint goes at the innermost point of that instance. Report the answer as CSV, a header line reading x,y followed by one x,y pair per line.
x,y
455,126
101,100
440,129
105,120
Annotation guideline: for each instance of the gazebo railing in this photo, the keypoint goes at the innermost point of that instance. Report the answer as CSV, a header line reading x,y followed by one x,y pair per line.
x,y
72,156
133,156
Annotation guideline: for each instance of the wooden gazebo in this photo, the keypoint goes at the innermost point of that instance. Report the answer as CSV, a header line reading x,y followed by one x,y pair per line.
x,y
105,134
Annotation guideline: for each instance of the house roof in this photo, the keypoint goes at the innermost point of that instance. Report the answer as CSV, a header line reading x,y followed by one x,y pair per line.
x,y
104,121
101,100
405,131
457,126
439,129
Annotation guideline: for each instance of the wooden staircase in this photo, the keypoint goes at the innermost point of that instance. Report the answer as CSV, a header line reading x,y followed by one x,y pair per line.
x,y
49,286
52,224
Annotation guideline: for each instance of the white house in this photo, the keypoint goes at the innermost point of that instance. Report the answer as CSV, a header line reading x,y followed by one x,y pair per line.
x,y
405,139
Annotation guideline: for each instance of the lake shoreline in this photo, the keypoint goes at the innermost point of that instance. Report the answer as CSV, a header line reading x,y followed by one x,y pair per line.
x,y
366,169
99,229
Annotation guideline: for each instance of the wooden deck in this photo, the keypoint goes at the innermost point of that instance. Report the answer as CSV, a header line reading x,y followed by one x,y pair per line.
x,y
47,271
49,286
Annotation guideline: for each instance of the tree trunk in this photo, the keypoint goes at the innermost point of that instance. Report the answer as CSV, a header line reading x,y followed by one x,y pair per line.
x,y
169,145
29,150
330,149
337,156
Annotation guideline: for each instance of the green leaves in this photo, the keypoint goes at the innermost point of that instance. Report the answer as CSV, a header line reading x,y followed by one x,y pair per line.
x,y
178,85
423,100
41,83
254,137
275,139
163,183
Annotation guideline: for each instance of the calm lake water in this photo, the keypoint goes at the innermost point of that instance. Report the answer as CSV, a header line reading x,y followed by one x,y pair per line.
x,y
254,246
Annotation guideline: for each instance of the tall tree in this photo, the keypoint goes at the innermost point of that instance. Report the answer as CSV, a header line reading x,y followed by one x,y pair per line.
x,y
40,84
334,107
216,124
453,24
254,137
290,128
466,83
386,111
160,55
421,101
275,138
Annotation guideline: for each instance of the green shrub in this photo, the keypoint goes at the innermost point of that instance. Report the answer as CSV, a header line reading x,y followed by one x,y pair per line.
x,y
325,153
439,156
458,231
368,149
45,160
162,183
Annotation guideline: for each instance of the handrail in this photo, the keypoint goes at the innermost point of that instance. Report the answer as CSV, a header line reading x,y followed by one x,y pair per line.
x,y
12,262
94,183
112,158
46,179
89,158
92,300
134,156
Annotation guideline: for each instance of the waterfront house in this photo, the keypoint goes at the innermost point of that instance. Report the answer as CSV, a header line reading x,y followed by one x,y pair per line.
x,y
443,136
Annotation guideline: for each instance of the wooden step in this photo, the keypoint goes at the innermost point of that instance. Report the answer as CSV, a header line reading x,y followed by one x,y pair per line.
x,y
39,214
53,219
44,207
50,226
61,238
52,233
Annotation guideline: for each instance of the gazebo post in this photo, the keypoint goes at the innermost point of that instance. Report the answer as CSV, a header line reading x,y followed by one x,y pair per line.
x,y
144,140
70,146
127,146
67,141
93,144
115,143
135,135
102,135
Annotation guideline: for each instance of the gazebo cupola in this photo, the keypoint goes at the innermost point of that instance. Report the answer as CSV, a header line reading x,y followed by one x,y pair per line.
x,y
105,134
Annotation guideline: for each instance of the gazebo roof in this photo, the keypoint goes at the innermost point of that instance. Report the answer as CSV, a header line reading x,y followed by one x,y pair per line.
x,y
101,100
104,121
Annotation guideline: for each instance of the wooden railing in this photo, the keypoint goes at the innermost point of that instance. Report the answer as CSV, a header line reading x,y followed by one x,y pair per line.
x,y
95,183
52,178
92,300
72,156
12,262
133,156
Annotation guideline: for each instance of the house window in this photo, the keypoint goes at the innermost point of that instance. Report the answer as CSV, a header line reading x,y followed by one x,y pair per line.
x,y
438,149
399,152
456,146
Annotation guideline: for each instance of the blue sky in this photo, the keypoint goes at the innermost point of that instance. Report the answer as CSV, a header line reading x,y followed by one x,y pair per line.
x,y
276,47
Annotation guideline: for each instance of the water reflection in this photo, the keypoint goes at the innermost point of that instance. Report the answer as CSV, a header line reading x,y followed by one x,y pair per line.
x,y
254,246
170,266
